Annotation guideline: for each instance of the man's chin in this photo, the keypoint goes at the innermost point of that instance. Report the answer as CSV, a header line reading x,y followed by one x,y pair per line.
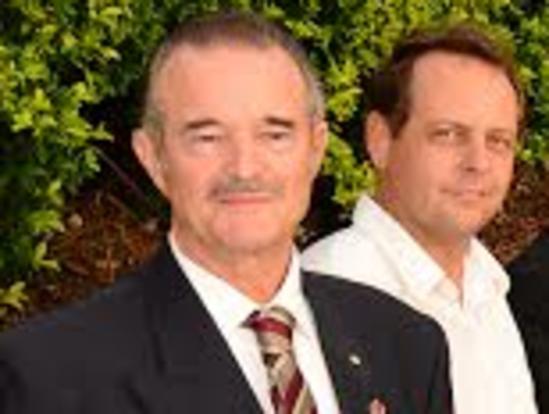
x,y
471,221
247,244
467,229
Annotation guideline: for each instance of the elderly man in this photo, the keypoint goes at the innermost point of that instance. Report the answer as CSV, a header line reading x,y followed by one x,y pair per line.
x,y
221,320
442,130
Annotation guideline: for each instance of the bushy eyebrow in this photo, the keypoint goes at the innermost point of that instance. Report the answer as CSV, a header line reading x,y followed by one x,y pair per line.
x,y
279,121
270,120
509,133
199,124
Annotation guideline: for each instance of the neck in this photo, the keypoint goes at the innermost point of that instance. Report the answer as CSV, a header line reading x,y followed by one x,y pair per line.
x,y
258,274
448,253
447,250
449,256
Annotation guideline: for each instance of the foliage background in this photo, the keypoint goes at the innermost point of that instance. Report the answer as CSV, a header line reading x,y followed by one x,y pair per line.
x,y
71,73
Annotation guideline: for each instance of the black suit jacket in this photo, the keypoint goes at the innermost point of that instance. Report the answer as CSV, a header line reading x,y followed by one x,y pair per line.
x,y
147,345
529,299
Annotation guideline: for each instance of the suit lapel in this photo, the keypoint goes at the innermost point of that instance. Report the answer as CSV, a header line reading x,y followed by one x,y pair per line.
x,y
191,368
194,368
346,355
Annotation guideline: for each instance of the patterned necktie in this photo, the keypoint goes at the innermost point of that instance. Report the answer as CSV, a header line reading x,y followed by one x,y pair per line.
x,y
289,392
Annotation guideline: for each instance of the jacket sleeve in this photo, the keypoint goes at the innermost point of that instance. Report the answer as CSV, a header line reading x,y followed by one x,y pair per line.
x,y
441,399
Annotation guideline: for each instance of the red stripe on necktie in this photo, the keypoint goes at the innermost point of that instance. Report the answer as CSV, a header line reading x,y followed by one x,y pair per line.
x,y
293,390
275,398
271,325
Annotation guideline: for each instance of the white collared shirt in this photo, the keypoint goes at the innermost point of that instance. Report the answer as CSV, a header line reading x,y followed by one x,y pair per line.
x,y
488,364
230,308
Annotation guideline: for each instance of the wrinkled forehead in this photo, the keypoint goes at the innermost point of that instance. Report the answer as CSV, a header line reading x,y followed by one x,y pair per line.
x,y
224,64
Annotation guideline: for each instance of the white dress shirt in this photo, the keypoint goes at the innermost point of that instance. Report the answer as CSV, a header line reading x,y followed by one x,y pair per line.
x,y
488,364
230,308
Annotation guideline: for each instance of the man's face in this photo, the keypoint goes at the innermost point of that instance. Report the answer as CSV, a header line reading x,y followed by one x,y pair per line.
x,y
239,151
448,171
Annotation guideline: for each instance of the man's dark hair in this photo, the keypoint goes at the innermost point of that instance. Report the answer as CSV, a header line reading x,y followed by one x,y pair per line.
x,y
228,28
389,89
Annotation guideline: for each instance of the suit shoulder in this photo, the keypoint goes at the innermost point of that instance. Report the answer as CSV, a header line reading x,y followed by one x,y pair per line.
x,y
371,304
81,330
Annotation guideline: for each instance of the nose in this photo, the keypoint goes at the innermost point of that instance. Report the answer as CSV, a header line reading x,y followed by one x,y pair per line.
x,y
244,157
476,155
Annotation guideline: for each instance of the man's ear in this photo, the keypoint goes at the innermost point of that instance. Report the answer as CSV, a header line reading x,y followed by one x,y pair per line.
x,y
147,151
320,142
377,139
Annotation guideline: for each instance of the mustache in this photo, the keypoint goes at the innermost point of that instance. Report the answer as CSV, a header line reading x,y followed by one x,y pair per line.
x,y
237,185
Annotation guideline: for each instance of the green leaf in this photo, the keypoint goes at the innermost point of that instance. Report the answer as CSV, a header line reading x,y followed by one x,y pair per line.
x,y
43,221
14,296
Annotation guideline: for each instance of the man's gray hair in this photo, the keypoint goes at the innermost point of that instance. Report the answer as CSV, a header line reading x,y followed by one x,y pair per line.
x,y
227,28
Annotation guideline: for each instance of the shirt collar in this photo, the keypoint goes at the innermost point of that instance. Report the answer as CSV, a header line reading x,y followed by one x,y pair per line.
x,y
398,245
484,277
230,308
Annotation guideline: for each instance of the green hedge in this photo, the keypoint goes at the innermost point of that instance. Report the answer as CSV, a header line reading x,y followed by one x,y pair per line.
x,y
62,60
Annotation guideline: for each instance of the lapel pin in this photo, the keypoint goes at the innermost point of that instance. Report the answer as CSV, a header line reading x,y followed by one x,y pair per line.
x,y
355,360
